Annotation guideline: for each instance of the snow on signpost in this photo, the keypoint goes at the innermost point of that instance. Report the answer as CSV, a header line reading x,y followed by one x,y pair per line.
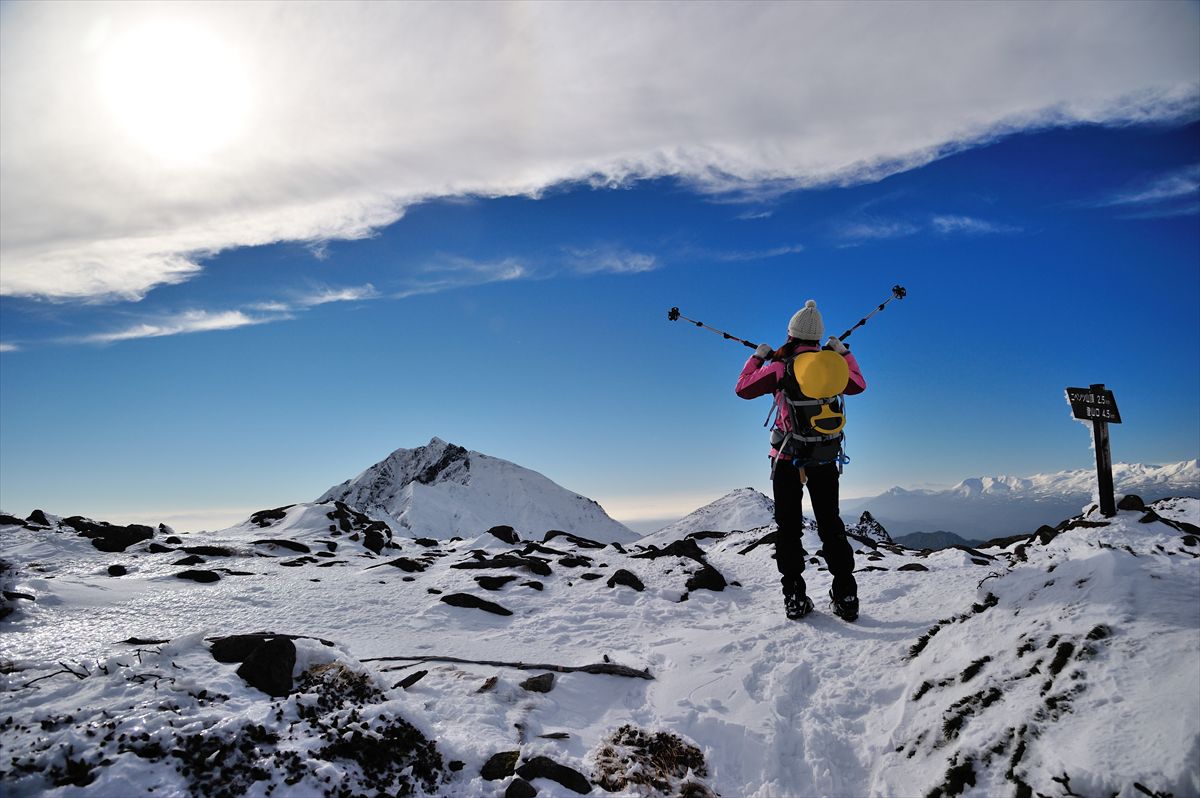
x,y
1098,405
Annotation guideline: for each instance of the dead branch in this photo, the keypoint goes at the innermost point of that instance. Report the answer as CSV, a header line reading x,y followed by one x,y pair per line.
x,y
606,669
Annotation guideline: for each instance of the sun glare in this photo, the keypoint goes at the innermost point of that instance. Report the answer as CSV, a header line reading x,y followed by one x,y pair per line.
x,y
178,91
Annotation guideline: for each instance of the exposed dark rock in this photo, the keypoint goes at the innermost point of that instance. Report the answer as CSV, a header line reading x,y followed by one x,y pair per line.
x,y
494,582
301,560
199,575
519,788
546,768
456,765
283,544
707,578
39,518
581,542
1131,502
13,595
542,683
411,679
117,570
500,766
191,559
627,578
426,542
707,535
404,564
574,561
375,534
912,566
107,537
590,577
173,540
433,590
269,667
158,548
533,583
533,564
555,736
8,520
376,539
209,551
687,547
505,533
474,602
266,518
235,648
488,684
765,540
452,455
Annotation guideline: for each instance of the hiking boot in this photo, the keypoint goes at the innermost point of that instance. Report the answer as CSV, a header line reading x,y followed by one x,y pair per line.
x,y
845,608
796,607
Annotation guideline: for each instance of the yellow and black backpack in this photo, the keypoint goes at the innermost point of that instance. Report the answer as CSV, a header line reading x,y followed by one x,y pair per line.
x,y
812,387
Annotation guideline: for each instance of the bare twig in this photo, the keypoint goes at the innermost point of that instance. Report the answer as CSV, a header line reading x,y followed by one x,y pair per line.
x,y
607,668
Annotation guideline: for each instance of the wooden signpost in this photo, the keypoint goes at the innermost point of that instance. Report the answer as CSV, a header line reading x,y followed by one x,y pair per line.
x,y
1097,405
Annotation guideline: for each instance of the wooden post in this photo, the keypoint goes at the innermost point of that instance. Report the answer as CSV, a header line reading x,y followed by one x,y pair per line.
x,y
1108,504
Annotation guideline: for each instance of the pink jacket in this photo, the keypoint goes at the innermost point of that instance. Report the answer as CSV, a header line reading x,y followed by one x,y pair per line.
x,y
759,378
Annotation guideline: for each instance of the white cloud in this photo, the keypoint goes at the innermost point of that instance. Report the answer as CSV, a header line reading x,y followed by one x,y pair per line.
x,y
1183,183
758,254
323,121
4,347
610,260
326,295
188,321
969,225
447,273
876,229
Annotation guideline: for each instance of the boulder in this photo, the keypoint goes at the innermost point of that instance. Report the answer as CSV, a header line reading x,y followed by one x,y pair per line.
x,y
494,582
912,566
542,767
1131,502
269,667
707,578
474,602
542,683
519,788
291,545
199,575
500,766
626,578
581,542
505,533
117,570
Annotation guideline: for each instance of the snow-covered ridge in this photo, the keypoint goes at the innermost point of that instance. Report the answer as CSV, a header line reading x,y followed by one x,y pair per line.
x,y
1127,478
744,508
441,490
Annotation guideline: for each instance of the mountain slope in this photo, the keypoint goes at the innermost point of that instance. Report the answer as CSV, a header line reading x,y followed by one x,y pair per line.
x,y
441,491
744,508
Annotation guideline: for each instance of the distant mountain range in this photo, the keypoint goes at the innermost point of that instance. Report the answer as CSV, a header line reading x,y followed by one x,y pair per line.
x,y
981,508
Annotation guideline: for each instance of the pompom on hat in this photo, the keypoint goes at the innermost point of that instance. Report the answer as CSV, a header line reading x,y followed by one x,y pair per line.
x,y
807,324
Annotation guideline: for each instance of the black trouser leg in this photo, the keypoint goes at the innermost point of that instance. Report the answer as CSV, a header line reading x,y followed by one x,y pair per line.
x,y
789,515
823,493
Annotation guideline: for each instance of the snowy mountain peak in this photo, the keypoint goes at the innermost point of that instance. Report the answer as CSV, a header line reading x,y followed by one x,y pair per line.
x,y
744,508
442,490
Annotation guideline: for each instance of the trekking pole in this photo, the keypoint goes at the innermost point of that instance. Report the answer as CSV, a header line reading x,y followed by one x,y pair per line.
x,y
674,315
898,292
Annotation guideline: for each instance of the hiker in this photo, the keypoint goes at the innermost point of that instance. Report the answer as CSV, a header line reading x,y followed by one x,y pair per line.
x,y
806,446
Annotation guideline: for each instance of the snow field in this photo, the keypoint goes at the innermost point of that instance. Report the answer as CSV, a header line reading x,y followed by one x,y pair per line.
x,y
779,708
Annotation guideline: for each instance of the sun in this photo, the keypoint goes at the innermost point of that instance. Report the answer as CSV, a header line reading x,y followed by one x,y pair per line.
x,y
177,90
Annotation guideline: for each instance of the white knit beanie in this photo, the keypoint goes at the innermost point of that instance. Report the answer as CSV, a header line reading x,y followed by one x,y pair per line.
x,y
807,324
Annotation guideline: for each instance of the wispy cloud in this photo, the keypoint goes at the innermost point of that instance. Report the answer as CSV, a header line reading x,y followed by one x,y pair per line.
x,y
4,347
876,229
96,208
448,273
609,260
749,216
197,320
188,321
758,254
1162,197
1183,183
969,225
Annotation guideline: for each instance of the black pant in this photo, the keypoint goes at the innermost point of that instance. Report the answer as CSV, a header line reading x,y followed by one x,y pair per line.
x,y
823,494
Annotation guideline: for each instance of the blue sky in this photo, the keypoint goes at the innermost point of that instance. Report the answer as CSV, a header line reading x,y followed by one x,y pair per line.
x,y
521,311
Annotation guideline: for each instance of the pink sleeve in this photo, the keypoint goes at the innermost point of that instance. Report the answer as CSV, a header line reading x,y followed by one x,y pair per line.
x,y
857,383
758,378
